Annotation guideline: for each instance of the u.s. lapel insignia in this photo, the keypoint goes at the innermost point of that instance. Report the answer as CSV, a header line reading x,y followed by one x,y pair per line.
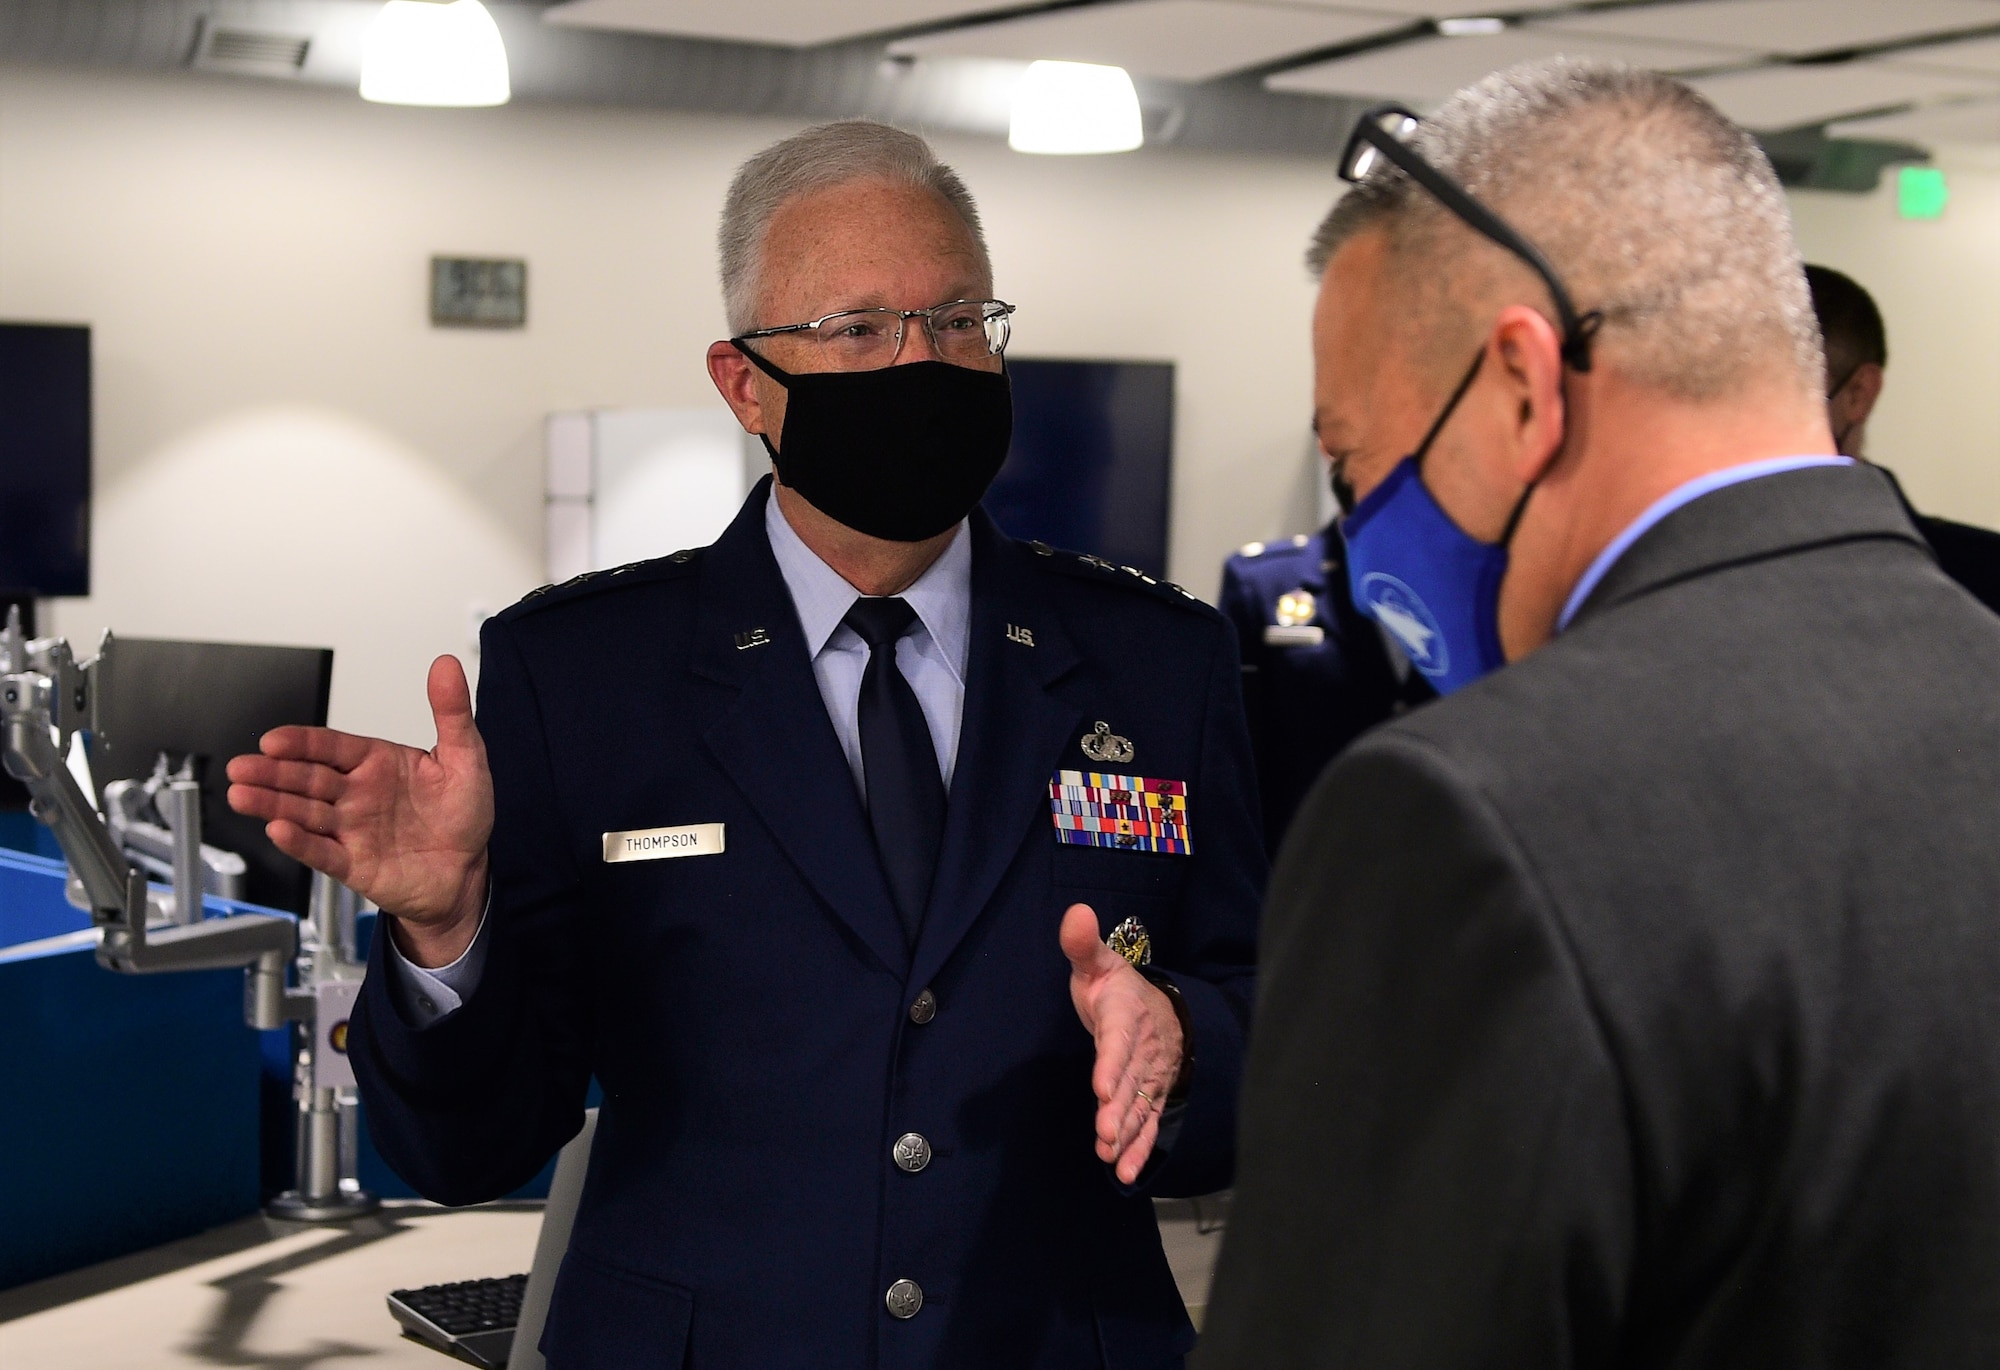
x,y
1024,636
756,637
1106,746
1131,941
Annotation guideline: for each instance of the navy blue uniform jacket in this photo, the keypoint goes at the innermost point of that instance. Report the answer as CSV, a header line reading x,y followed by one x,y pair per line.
x,y
1307,701
749,1014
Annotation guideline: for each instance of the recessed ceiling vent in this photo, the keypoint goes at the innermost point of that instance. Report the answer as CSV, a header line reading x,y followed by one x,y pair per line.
x,y
250,52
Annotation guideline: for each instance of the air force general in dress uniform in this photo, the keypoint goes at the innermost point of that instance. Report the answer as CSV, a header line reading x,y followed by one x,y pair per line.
x,y
819,1144
840,1127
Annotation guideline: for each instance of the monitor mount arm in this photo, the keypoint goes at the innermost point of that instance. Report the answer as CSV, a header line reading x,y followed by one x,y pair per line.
x,y
46,698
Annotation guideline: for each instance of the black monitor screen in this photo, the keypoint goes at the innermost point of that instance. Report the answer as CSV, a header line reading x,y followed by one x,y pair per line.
x,y
44,459
209,701
1092,462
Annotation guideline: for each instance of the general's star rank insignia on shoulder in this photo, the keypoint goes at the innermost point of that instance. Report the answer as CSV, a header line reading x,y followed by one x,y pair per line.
x,y
1122,812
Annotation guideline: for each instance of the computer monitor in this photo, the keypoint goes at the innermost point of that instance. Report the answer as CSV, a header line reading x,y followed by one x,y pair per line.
x,y
44,460
210,701
1091,466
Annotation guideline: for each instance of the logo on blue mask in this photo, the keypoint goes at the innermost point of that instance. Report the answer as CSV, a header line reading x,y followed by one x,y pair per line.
x,y
1409,620
1432,585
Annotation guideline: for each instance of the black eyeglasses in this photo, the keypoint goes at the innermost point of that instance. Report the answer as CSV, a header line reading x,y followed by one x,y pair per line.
x,y
1383,132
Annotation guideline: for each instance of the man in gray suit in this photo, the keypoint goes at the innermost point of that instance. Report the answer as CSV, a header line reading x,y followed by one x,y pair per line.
x,y
1637,1004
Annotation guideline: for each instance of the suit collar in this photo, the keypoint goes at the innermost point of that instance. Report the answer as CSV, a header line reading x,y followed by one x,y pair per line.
x,y
1329,557
941,595
775,743
1771,516
743,595
1016,726
774,740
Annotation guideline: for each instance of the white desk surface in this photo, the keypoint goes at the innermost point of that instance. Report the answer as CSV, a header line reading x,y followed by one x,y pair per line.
x,y
279,1296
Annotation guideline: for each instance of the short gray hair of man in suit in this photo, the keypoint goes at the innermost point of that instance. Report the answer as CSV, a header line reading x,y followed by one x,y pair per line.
x,y
1658,214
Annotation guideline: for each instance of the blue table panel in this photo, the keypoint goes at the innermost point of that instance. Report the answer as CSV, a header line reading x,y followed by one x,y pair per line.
x,y
128,1103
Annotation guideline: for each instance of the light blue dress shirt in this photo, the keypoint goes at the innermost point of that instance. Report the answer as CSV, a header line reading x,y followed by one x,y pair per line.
x,y
932,657
1667,504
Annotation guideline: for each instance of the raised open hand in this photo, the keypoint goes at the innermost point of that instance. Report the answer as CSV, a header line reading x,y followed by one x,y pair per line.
x,y
1139,1043
406,828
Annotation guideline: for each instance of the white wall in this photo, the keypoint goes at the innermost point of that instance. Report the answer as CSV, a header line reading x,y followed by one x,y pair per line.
x,y
288,452
1938,283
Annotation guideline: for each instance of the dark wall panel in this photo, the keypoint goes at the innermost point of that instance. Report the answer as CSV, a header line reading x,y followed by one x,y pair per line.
x,y
1091,467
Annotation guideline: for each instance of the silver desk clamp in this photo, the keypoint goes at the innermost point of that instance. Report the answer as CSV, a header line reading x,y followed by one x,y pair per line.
x,y
46,698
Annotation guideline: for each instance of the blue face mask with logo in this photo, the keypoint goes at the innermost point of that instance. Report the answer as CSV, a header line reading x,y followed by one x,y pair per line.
x,y
1432,585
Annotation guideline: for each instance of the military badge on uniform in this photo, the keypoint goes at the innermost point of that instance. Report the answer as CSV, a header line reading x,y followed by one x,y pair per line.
x,y
1104,745
1131,941
1121,812
1295,626
1306,635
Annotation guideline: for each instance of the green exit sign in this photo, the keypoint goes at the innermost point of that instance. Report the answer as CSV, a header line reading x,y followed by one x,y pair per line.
x,y
1921,192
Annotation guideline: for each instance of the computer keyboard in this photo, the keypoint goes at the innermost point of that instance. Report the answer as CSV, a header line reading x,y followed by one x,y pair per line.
x,y
473,1319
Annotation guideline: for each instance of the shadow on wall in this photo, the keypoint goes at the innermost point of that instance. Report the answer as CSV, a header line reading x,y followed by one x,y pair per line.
x,y
303,526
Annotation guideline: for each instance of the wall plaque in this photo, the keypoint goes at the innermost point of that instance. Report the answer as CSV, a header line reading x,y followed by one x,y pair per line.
x,y
479,292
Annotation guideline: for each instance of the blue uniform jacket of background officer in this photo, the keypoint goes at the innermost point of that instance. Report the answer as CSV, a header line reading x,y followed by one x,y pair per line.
x,y
762,1030
1316,671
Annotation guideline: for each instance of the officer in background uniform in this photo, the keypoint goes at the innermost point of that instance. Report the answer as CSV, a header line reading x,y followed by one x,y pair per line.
x,y
1857,362
1317,673
898,881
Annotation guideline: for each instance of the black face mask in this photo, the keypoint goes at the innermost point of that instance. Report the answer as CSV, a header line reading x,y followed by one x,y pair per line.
x,y
900,454
1343,493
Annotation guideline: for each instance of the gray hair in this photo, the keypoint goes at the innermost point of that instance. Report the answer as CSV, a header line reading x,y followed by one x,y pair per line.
x,y
819,159
1654,209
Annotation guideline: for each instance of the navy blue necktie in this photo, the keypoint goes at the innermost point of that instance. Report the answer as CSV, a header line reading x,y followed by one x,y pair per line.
x,y
899,762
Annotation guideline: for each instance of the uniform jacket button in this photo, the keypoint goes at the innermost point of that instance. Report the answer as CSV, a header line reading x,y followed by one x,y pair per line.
x,y
912,1152
904,1298
924,1009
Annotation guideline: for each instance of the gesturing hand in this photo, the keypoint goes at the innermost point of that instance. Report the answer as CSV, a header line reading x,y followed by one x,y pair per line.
x,y
1139,1043
406,828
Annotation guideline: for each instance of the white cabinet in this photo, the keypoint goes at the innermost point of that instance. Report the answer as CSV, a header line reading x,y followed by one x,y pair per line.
x,y
626,485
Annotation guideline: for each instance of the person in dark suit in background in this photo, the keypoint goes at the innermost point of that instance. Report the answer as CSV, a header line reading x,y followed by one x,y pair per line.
x,y
1317,673
897,880
1857,361
1638,1003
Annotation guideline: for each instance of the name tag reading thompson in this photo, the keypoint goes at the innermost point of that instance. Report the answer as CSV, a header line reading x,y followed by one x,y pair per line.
x,y
658,844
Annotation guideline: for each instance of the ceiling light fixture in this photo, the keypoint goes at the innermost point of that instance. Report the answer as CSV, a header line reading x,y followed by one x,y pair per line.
x,y
1471,28
1075,107
434,52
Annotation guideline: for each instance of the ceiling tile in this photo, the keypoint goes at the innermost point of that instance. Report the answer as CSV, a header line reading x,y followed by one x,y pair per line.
x,y
1795,97
1407,10
1181,40
1977,122
1974,55
789,23
1787,27
1430,69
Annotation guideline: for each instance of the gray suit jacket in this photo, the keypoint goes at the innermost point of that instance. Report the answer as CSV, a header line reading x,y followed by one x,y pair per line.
x,y
1640,1005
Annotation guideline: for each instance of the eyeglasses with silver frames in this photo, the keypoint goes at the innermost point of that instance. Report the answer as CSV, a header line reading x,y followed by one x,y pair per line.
x,y
962,332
